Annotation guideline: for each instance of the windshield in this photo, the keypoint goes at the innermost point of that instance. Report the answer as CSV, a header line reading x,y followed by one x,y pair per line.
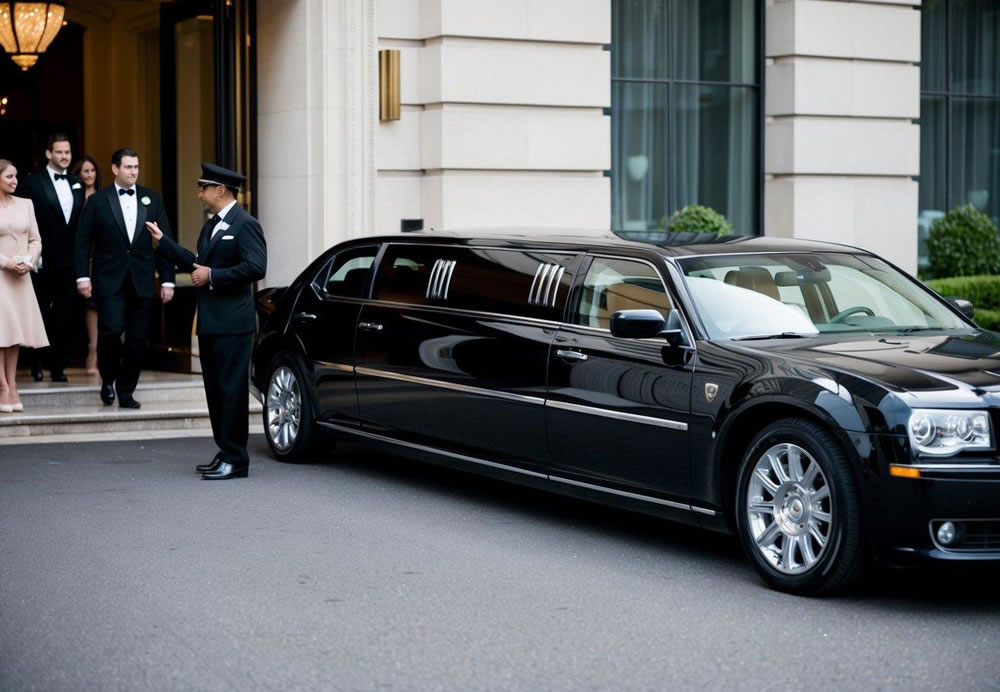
x,y
753,295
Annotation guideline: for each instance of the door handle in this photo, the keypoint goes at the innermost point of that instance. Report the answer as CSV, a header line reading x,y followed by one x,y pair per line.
x,y
571,355
370,326
303,316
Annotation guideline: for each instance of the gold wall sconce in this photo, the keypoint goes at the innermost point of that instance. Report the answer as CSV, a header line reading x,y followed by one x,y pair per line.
x,y
388,85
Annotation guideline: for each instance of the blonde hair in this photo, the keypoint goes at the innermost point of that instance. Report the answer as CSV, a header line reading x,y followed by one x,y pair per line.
x,y
4,165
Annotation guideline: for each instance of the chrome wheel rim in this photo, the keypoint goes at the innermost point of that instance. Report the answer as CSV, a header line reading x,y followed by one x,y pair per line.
x,y
789,509
284,408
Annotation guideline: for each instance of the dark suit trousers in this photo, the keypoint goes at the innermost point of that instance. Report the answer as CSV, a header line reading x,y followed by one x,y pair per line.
x,y
55,289
225,365
124,312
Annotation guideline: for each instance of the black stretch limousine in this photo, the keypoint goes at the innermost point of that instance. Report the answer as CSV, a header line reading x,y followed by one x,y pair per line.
x,y
810,397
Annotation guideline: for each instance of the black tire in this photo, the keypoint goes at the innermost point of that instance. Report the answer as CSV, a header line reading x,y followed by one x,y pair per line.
x,y
300,448
790,556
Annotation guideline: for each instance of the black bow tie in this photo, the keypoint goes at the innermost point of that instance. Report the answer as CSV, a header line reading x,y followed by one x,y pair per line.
x,y
60,176
126,192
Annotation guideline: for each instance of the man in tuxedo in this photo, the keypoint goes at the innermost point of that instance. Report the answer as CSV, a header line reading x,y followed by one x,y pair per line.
x,y
122,280
58,200
232,255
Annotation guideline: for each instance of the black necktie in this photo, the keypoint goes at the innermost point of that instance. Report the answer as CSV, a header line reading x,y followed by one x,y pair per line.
x,y
214,220
59,176
126,192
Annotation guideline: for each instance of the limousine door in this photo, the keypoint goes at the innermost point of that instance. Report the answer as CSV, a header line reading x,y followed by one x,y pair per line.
x,y
452,350
324,322
618,409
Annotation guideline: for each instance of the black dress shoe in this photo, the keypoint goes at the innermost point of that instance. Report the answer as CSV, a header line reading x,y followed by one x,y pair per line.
x,y
59,377
128,402
36,373
211,466
108,394
227,471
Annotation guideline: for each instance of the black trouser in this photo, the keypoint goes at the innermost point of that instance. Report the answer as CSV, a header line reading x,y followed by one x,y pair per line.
x,y
225,364
124,312
55,288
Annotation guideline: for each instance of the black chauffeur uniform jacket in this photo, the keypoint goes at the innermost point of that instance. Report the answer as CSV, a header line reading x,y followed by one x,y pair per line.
x,y
102,228
237,257
58,237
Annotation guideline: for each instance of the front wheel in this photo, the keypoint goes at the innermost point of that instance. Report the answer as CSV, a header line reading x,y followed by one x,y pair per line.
x,y
288,420
797,509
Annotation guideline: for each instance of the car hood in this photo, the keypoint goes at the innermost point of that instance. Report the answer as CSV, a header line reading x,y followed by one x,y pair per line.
x,y
947,367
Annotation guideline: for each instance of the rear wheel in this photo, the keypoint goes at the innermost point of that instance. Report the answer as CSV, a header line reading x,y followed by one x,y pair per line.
x,y
288,412
797,509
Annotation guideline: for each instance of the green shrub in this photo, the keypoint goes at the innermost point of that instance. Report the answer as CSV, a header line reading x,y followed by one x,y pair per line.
x,y
695,218
963,242
983,291
988,319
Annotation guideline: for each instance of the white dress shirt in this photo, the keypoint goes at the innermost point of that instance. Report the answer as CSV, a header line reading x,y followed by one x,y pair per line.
x,y
220,225
129,209
63,192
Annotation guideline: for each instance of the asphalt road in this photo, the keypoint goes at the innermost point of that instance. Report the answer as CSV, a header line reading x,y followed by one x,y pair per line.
x,y
121,570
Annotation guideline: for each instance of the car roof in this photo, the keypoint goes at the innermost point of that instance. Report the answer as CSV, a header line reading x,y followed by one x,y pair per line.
x,y
668,244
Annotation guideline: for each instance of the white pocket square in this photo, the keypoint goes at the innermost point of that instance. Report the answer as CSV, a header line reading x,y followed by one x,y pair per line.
x,y
227,237
76,186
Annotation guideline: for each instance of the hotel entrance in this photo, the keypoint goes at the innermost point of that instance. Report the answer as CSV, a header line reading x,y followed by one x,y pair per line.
x,y
174,80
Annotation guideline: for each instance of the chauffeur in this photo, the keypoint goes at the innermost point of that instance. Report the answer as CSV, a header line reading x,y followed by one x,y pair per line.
x,y
232,255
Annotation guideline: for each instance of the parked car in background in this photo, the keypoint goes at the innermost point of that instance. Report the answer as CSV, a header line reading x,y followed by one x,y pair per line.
x,y
810,397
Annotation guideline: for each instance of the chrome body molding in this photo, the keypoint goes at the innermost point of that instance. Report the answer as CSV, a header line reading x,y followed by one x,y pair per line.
x,y
607,413
454,386
514,469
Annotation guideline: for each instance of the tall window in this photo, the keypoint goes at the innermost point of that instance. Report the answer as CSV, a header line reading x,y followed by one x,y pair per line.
x,y
959,110
685,111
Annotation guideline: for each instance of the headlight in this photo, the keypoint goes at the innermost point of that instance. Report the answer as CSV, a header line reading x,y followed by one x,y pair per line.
x,y
942,432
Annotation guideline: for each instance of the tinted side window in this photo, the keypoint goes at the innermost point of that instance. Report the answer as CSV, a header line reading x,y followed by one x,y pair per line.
x,y
509,282
619,284
345,275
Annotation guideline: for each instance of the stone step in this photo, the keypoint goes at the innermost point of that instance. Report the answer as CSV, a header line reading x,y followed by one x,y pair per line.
x,y
72,396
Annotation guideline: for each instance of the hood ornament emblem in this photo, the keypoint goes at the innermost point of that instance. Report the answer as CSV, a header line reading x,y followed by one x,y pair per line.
x,y
710,391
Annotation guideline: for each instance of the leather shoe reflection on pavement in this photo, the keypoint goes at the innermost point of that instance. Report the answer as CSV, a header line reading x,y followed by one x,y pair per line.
x,y
211,466
107,394
226,471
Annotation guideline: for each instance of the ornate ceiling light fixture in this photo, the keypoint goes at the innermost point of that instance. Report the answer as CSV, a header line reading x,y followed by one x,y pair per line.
x,y
27,29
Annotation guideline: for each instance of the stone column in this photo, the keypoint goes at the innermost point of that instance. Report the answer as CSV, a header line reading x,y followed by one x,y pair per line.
x,y
842,145
317,101
502,122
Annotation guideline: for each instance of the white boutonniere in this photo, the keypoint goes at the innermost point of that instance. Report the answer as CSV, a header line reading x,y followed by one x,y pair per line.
x,y
145,201
76,186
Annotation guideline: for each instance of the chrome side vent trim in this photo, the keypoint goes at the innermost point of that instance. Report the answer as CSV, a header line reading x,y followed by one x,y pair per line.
x,y
440,279
545,286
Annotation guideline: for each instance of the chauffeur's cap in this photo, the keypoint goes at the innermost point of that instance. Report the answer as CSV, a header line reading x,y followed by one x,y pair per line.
x,y
217,175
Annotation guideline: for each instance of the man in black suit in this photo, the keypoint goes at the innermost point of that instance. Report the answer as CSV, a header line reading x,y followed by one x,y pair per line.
x,y
232,255
122,281
58,200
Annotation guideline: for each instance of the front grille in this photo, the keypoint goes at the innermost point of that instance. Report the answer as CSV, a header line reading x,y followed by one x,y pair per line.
x,y
973,535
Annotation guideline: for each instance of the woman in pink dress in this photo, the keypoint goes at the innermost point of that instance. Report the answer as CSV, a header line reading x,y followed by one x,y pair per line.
x,y
20,319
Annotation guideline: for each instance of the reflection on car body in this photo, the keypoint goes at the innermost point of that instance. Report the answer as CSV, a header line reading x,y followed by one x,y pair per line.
x,y
809,397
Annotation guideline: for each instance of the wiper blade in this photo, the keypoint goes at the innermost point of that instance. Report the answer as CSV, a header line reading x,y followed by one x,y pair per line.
x,y
782,335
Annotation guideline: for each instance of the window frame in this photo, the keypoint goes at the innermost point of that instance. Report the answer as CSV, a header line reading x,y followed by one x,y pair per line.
x,y
758,86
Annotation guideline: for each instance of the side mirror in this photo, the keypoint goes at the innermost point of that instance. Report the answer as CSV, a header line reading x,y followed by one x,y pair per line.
x,y
647,324
637,324
964,306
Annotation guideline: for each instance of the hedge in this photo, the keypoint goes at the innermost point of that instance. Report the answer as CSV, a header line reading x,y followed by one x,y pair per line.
x,y
983,291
